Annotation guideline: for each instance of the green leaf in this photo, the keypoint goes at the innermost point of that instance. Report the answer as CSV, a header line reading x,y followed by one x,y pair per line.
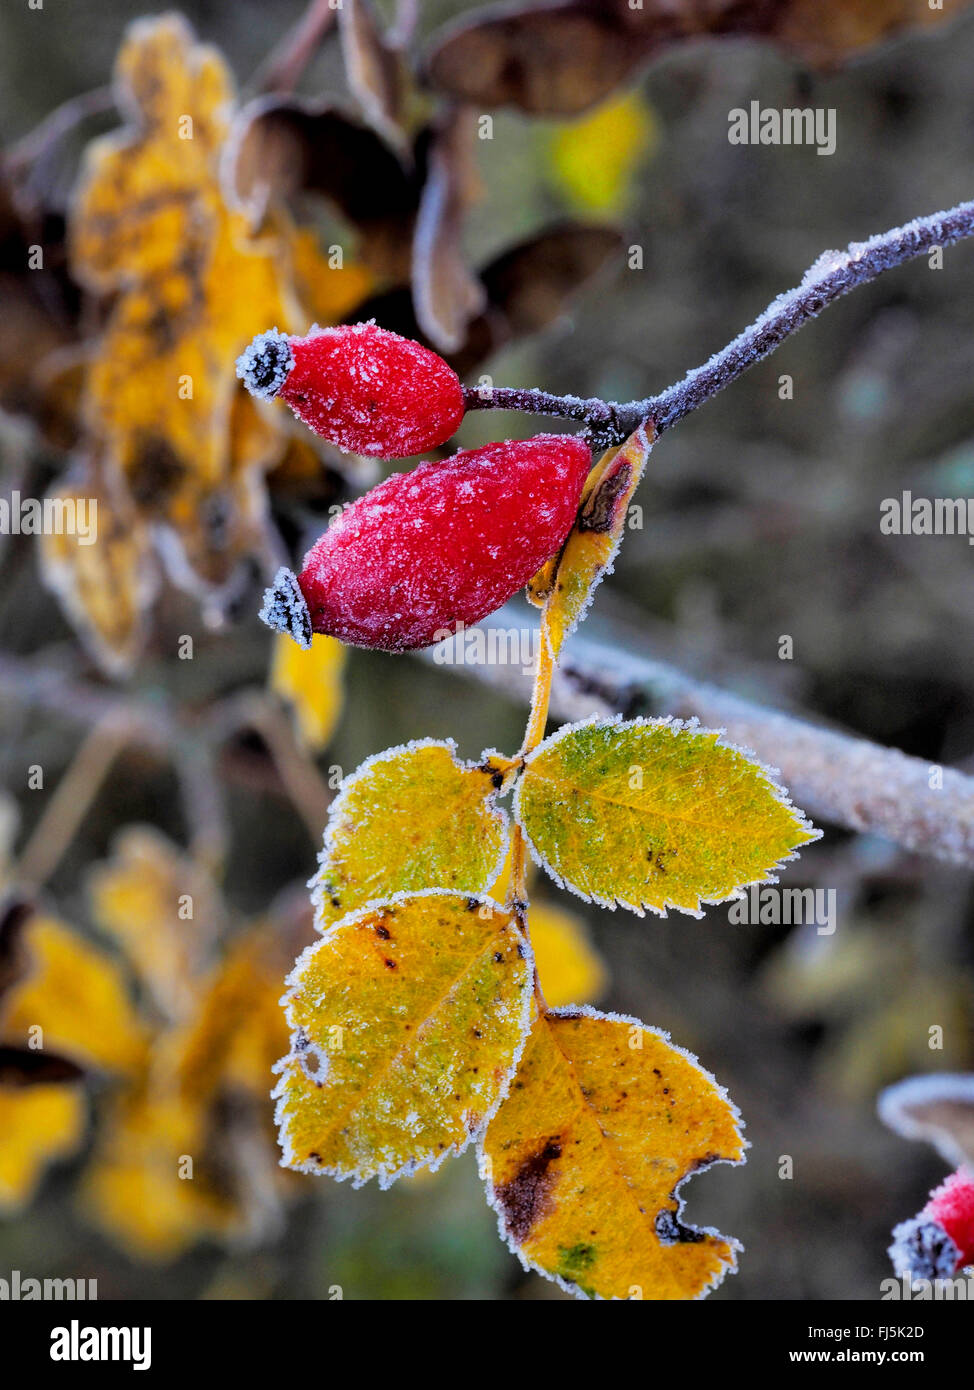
x,y
653,814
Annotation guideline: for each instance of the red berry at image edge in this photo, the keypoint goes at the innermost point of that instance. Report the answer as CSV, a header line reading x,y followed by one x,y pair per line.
x,y
940,1241
428,551
365,389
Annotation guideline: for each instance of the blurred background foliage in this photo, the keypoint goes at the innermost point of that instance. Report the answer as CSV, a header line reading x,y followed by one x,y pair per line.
x,y
761,518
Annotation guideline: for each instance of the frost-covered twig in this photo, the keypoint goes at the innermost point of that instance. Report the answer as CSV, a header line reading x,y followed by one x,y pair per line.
x,y
834,777
284,67
834,274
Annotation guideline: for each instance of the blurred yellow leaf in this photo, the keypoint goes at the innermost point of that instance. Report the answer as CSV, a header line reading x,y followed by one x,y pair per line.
x,y
161,909
38,1124
139,1185
191,288
409,818
239,1030
594,159
570,969
105,580
565,587
652,813
329,292
583,1160
310,680
407,1020
77,995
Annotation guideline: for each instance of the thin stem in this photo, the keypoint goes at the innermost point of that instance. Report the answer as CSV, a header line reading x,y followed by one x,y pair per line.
x,y
833,275
285,65
533,734
57,124
69,805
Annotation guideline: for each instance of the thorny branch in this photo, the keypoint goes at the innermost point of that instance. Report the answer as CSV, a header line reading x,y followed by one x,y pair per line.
x,y
832,776
833,275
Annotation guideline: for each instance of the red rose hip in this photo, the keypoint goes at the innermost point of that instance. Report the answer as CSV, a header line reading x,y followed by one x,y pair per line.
x,y
366,389
940,1241
435,549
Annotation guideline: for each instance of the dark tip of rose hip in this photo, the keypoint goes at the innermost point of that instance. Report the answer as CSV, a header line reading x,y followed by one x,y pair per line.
x,y
263,366
285,608
922,1249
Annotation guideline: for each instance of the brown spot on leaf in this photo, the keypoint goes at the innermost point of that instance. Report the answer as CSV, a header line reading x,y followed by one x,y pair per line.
x,y
522,1200
600,511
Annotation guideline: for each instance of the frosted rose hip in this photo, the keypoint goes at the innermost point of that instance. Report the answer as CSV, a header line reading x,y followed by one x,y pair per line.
x,y
940,1241
428,550
366,389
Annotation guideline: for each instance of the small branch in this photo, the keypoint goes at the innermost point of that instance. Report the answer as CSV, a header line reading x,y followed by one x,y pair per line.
x,y
57,124
284,67
833,275
70,803
833,777
605,419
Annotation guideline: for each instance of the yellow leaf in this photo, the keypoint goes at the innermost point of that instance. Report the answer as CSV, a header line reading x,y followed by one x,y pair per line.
x,y
591,547
408,1018
150,225
409,818
238,1032
328,292
38,1124
133,1187
569,968
583,1161
78,996
594,159
310,680
161,909
106,580
653,813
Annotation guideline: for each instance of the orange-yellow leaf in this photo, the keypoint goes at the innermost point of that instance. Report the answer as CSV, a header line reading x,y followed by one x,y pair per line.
x,y
408,1018
104,577
410,818
161,909
138,1186
310,680
591,547
238,1031
77,995
38,1124
583,1161
654,814
150,226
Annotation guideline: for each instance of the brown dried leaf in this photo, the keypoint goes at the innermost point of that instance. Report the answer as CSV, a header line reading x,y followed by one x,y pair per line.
x,y
373,68
446,294
560,59
527,287
280,148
